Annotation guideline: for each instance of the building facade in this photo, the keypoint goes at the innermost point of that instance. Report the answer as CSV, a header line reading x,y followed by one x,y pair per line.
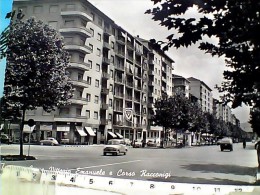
x,y
116,76
181,84
203,93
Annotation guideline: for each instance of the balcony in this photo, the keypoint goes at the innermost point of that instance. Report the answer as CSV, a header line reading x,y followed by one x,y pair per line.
x,y
77,29
105,60
120,40
78,46
138,63
151,72
80,83
118,109
128,71
78,100
119,66
151,94
104,91
103,121
103,106
137,87
119,81
138,75
106,45
119,95
120,53
151,83
137,100
130,58
150,105
118,123
130,45
129,84
137,112
70,118
129,97
151,61
76,13
107,31
79,65
105,75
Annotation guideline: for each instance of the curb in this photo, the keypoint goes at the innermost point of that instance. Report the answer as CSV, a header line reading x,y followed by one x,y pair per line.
x,y
82,146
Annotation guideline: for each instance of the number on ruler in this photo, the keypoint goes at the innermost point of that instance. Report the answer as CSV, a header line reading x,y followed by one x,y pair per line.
x,y
72,179
53,177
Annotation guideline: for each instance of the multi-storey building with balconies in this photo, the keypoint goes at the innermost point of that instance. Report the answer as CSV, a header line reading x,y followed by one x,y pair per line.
x,y
111,71
180,84
204,94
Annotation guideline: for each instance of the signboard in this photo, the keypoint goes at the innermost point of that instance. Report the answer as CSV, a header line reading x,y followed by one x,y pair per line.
x,y
129,114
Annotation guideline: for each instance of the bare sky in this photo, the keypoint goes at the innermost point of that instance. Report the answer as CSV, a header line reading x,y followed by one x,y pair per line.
x,y
189,62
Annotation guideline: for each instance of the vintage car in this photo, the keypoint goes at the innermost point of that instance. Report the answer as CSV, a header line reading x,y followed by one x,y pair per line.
x,y
226,143
115,147
49,141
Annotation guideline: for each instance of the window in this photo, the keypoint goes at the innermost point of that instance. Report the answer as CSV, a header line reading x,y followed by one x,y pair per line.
x,y
88,97
98,52
37,9
110,103
80,76
97,67
112,45
87,113
96,99
92,15
155,81
92,31
112,59
97,83
111,73
89,80
53,8
159,72
156,70
95,115
111,88
110,117
100,21
114,31
155,91
90,64
99,37
91,47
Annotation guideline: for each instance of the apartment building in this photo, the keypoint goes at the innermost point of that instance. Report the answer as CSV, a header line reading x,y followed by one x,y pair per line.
x,y
204,94
116,76
181,84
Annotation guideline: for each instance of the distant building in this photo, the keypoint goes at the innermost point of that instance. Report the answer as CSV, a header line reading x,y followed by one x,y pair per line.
x,y
181,84
204,94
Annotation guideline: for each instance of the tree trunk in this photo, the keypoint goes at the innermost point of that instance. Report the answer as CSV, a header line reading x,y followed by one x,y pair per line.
x,y
21,133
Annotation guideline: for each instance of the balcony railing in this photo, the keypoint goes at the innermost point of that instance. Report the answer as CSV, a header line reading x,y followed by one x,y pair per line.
x,y
79,65
77,45
78,12
105,60
103,121
81,83
106,45
120,40
103,106
104,91
119,80
119,95
119,66
105,75
118,109
76,29
107,31
79,100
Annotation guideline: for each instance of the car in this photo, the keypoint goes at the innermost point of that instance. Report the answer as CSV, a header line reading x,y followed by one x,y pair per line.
x,y
49,141
115,147
226,143
127,141
151,143
137,144
6,139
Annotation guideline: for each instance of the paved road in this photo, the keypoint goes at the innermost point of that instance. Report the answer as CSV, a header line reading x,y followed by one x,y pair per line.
x,y
205,164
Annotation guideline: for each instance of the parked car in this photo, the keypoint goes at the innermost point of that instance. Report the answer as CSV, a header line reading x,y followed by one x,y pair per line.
x,y
6,139
127,141
151,143
226,143
115,147
137,144
49,141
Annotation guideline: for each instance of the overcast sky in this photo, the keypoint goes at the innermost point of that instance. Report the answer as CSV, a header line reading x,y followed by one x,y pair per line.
x,y
129,14
189,62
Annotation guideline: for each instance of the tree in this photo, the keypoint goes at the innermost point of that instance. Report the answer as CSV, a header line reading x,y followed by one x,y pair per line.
x,y
235,24
173,112
35,73
255,120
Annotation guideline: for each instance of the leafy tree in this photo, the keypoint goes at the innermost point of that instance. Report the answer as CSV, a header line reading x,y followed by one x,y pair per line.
x,y
173,112
35,73
235,24
255,120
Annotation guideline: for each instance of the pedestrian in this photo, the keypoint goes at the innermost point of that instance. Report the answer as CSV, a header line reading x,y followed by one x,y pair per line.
x,y
244,143
257,147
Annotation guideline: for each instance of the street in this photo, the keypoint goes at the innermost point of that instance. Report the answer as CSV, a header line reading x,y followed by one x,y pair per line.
x,y
198,164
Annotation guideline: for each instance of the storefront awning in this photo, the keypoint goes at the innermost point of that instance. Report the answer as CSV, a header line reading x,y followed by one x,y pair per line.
x,y
81,131
28,129
112,134
119,135
90,131
63,128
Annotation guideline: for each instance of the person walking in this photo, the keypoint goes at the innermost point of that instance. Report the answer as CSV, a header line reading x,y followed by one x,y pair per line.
x,y
244,143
